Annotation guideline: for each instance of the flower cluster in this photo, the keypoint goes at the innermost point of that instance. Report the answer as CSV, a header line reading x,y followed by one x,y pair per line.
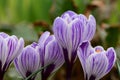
x,y
37,55
72,35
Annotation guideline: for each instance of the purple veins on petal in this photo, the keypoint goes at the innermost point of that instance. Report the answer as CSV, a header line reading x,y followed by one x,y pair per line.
x,y
53,54
72,29
9,49
43,38
96,61
28,61
77,30
50,53
15,47
96,64
84,51
3,51
60,30
90,27
34,45
70,13
48,70
4,35
111,55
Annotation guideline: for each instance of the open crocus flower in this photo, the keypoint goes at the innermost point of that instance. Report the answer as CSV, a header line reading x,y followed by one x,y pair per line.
x,y
10,48
28,62
71,30
50,53
96,62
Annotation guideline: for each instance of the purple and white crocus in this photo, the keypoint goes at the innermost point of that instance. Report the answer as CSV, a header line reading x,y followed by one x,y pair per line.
x,y
96,62
71,30
10,48
28,62
50,53
46,52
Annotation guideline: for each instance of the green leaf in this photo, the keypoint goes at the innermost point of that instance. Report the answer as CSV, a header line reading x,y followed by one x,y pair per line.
x,y
118,66
33,74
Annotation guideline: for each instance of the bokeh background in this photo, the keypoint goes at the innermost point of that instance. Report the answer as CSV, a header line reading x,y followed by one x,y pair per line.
x,y
30,18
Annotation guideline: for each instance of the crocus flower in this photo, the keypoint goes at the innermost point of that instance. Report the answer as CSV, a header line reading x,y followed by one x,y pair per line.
x,y
96,62
28,61
10,47
50,53
71,30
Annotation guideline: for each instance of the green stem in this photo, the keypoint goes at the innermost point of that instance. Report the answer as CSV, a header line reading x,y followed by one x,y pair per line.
x,y
34,73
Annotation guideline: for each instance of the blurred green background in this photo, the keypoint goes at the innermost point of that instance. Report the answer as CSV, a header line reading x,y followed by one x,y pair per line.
x,y
30,18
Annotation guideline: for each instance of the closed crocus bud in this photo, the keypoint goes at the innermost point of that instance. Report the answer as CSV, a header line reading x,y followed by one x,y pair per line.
x,y
28,62
71,30
96,62
51,54
10,48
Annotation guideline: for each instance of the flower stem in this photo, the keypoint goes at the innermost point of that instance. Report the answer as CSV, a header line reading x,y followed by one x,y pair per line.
x,y
1,76
68,71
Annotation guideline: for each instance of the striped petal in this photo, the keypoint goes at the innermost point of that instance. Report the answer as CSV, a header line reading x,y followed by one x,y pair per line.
x,y
96,66
70,13
54,55
27,61
3,52
111,55
74,37
4,35
12,44
60,31
43,38
50,53
83,52
90,28
15,47
43,41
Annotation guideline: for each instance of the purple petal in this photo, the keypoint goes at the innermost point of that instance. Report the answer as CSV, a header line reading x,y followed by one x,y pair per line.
x,y
12,44
83,18
54,55
31,59
3,51
70,13
4,35
34,44
75,33
43,37
19,48
83,52
41,48
19,67
74,36
96,65
15,47
111,55
28,61
90,28
60,31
